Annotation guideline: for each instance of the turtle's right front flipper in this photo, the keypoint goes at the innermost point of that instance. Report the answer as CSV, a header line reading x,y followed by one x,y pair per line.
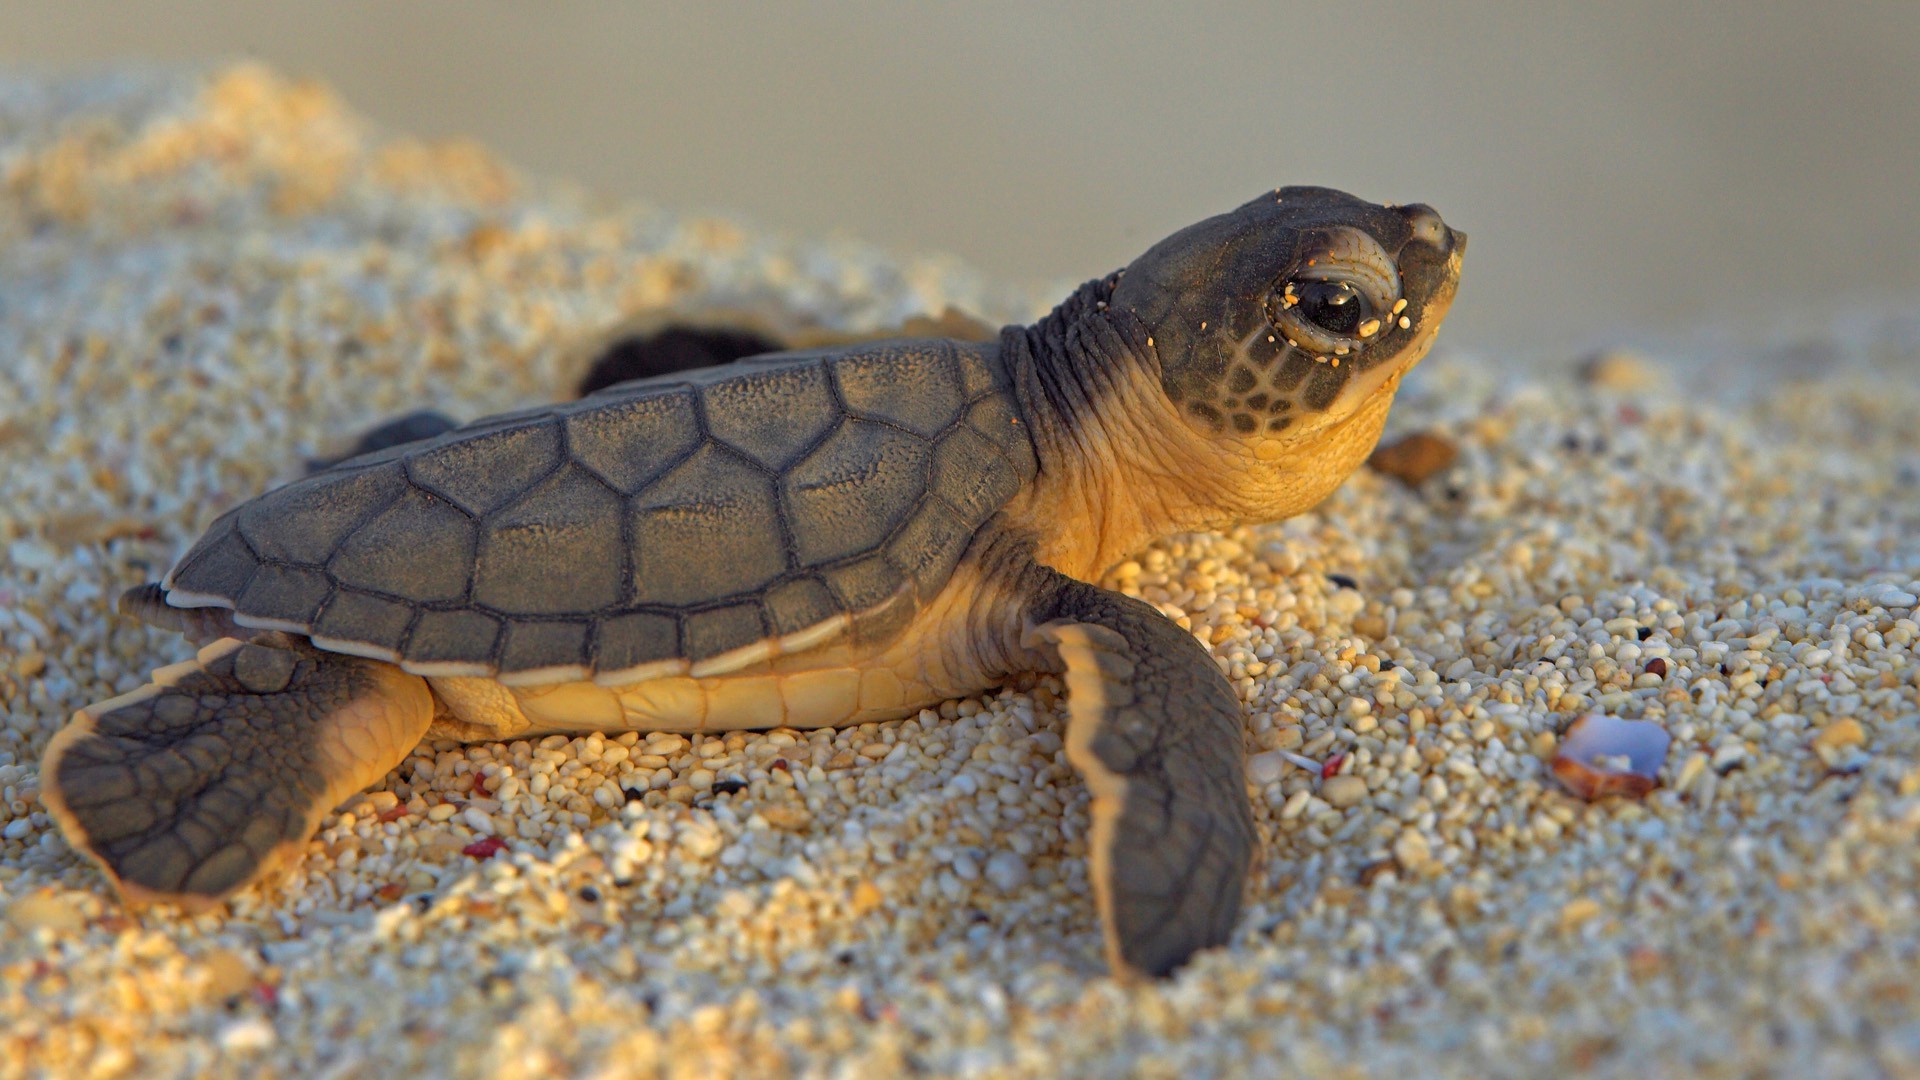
x,y
1156,730
194,785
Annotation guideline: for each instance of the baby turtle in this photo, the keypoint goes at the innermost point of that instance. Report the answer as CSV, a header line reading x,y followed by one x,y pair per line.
x,y
810,538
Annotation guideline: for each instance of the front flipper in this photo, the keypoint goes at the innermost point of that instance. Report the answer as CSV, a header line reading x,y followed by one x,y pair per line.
x,y
196,784
1156,730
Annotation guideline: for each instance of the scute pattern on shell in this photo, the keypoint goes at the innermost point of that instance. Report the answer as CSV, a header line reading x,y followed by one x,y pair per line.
x,y
673,519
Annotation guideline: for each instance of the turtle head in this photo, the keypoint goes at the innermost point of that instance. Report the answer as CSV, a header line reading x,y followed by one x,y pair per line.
x,y
1282,328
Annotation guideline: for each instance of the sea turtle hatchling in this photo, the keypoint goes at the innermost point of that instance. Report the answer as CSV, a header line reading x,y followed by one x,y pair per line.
x,y
808,538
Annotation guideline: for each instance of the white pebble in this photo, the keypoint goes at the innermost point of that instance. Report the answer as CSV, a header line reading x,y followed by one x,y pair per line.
x,y
701,839
246,1036
1007,871
1264,769
1344,791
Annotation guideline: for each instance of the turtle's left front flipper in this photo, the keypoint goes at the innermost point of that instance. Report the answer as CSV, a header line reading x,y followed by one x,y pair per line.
x,y
1157,731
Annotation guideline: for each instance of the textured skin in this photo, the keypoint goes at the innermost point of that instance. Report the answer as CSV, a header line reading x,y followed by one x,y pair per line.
x,y
668,520
1156,730
194,785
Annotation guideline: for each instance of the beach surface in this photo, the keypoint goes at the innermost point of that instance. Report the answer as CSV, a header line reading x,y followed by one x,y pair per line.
x,y
206,281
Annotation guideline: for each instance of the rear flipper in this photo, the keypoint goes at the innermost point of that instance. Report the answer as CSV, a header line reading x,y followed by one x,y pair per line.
x,y
417,426
659,343
198,783
667,342
645,353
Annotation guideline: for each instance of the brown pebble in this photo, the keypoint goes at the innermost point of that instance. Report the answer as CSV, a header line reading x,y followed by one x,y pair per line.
x,y
1657,666
1840,735
228,974
1618,370
45,911
1578,912
1415,458
791,818
1644,962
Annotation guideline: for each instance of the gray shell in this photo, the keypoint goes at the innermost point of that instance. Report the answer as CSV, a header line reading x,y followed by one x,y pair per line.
x,y
672,519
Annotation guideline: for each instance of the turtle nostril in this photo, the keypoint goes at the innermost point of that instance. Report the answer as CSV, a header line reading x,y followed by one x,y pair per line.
x,y
1429,229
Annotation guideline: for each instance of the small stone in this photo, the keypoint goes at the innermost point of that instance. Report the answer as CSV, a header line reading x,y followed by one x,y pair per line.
x,y
1578,912
1690,771
17,829
701,839
786,816
866,898
228,974
247,1036
1414,459
1842,734
1887,597
1344,791
1007,870
30,664
45,911
1618,369
484,848
1264,769
1411,850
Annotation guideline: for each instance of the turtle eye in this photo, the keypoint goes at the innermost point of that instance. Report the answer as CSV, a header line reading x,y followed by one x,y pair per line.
x,y
1330,312
1334,306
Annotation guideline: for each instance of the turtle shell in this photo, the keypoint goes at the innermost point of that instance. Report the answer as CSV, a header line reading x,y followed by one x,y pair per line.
x,y
693,522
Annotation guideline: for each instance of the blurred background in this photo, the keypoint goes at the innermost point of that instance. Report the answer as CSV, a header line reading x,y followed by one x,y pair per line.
x,y
1634,169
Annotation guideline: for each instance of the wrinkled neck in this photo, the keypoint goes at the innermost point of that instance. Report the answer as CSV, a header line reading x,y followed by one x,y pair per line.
x,y
1117,466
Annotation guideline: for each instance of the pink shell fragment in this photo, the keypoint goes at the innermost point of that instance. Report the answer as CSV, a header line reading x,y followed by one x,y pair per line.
x,y
1604,755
